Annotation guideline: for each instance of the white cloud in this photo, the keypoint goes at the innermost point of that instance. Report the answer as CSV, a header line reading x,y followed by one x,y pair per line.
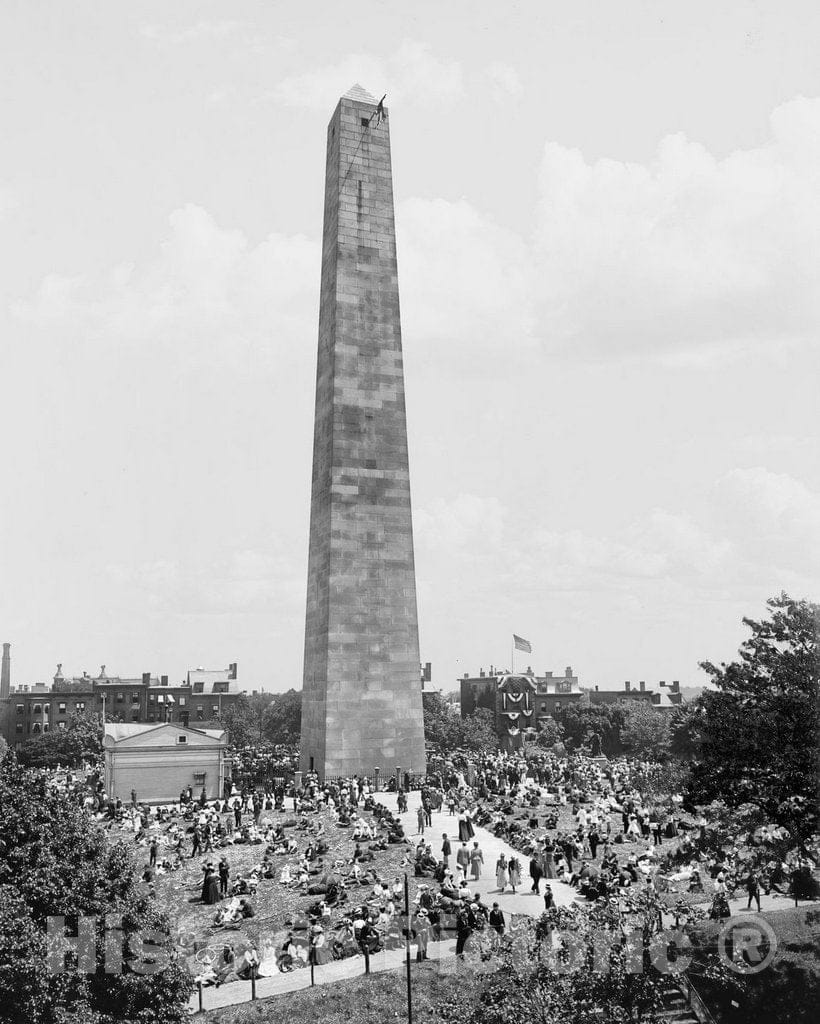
x,y
411,73
465,281
775,520
209,31
468,522
759,527
8,200
504,80
685,253
208,293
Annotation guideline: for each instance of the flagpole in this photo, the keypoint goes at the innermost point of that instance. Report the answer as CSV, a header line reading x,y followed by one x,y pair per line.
x,y
512,656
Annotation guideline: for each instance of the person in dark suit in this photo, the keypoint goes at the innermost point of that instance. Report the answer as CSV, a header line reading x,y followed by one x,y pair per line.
x,y
535,875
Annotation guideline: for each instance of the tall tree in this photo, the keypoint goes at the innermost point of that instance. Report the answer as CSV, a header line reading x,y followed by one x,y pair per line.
x,y
57,863
282,720
81,740
645,732
759,726
445,730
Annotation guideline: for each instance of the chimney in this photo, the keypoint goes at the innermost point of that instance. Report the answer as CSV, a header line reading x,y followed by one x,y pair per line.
x,y
568,672
481,673
232,670
163,680
627,686
5,672
596,689
662,683
642,686
146,678
675,686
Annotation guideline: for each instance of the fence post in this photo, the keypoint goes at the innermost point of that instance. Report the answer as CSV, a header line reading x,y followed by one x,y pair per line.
x,y
253,981
366,951
199,986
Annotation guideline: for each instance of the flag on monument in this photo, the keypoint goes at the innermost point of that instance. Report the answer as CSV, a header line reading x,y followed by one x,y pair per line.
x,y
522,645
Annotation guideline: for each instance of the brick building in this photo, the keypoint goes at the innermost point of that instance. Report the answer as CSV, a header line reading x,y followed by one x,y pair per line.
x,y
546,695
201,699
549,696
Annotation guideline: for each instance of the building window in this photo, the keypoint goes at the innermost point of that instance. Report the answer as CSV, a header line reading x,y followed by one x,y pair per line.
x,y
152,697
80,705
20,708
36,727
61,708
200,713
135,698
19,727
45,727
182,702
61,725
37,709
182,739
557,707
120,698
215,709
543,705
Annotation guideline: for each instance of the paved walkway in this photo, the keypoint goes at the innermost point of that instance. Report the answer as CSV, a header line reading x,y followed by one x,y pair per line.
x,y
336,970
524,902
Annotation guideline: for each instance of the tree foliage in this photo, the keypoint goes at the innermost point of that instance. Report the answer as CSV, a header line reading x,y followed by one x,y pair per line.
x,y
282,719
758,727
445,730
645,732
80,741
582,720
550,733
57,863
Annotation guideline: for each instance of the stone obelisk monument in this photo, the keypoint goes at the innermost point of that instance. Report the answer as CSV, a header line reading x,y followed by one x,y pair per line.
x,y
361,699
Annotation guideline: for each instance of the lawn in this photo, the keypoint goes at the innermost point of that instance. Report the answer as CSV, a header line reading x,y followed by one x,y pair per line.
x,y
373,999
178,892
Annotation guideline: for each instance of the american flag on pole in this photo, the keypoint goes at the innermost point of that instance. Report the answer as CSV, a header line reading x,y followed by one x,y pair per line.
x,y
521,644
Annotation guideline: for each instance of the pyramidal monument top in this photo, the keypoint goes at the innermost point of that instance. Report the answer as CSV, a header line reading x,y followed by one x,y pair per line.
x,y
356,92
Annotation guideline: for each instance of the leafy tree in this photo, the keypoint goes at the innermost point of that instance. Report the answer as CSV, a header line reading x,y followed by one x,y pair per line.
x,y
684,732
81,740
478,731
550,733
243,719
758,727
645,732
445,730
57,863
282,718
582,719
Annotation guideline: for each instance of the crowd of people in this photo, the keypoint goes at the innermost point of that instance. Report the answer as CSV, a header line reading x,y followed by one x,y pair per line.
x,y
577,820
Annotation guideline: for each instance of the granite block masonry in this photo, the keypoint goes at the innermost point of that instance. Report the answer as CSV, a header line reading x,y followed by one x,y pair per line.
x,y
361,696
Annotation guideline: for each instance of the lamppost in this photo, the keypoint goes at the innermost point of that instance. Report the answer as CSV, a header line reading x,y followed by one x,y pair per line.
x,y
376,778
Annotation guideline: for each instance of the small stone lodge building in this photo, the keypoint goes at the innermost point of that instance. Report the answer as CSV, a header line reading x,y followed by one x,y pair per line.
x,y
160,761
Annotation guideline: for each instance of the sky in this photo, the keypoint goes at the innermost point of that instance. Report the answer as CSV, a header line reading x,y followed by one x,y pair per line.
x,y
608,228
